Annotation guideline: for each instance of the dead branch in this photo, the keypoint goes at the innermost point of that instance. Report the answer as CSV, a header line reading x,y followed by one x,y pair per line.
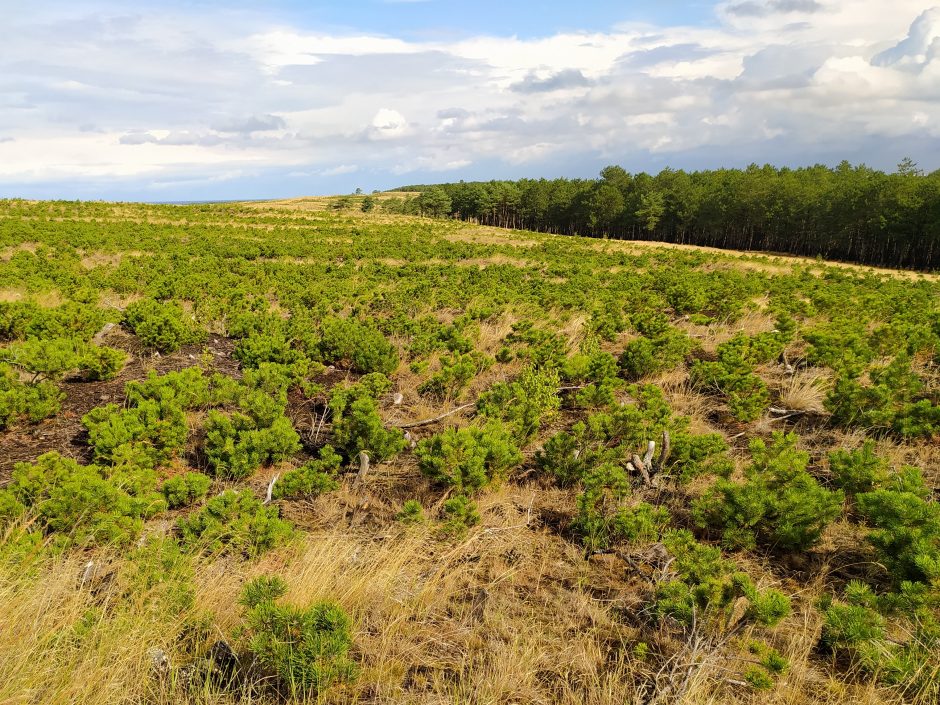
x,y
363,466
663,453
269,495
425,422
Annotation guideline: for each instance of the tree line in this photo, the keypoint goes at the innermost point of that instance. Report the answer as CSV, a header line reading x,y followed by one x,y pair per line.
x,y
851,213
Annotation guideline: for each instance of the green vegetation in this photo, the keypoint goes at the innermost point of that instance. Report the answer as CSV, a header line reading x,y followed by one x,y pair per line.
x,y
235,522
851,213
81,504
780,504
306,648
160,325
468,459
492,466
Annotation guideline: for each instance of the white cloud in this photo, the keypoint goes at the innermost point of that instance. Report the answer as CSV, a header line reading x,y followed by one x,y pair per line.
x,y
110,94
388,124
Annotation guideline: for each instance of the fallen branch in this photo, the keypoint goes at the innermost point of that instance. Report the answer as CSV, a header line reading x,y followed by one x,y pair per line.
x,y
791,412
425,422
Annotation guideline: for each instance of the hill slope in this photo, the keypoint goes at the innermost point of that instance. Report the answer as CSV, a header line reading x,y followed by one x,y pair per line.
x,y
598,471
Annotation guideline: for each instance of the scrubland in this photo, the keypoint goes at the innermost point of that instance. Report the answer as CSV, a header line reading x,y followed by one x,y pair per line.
x,y
295,452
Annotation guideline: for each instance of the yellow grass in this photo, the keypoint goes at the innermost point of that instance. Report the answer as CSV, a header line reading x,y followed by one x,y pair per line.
x,y
805,391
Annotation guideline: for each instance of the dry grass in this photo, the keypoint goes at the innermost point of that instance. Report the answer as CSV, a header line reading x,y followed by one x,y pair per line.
x,y
806,391
686,401
512,613
574,329
493,332
711,336
481,620
46,299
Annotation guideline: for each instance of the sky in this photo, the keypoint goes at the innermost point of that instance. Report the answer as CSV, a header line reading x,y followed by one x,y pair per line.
x,y
202,100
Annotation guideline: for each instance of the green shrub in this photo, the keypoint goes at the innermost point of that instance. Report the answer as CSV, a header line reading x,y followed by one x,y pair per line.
x,y
646,356
854,626
599,369
542,348
44,359
19,400
895,400
842,345
312,479
411,513
457,371
468,459
858,470
615,435
747,394
707,586
779,504
607,322
56,358
758,678
149,432
82,504
360,428
732,375
235,522
161,325
101,363
561,456
360,346
73,319
460,514
307,649
239,443
643,522
651,324
523,404
186,489
160,574
188,388
906,530
606,487
371,386
269,343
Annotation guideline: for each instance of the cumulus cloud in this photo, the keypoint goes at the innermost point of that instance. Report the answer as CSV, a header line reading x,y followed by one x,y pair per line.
x,y
388,124
919,48
199,101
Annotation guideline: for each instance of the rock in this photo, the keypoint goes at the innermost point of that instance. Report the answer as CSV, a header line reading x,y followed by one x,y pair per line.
x,y
159,661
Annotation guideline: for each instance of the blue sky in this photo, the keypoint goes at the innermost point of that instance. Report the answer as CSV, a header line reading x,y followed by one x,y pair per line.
x,y
207,100
418,19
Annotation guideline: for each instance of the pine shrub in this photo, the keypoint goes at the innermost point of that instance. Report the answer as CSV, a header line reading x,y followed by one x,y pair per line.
x,y
468,459
160,325
312,479
780,504
306,649
186,489
234,522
